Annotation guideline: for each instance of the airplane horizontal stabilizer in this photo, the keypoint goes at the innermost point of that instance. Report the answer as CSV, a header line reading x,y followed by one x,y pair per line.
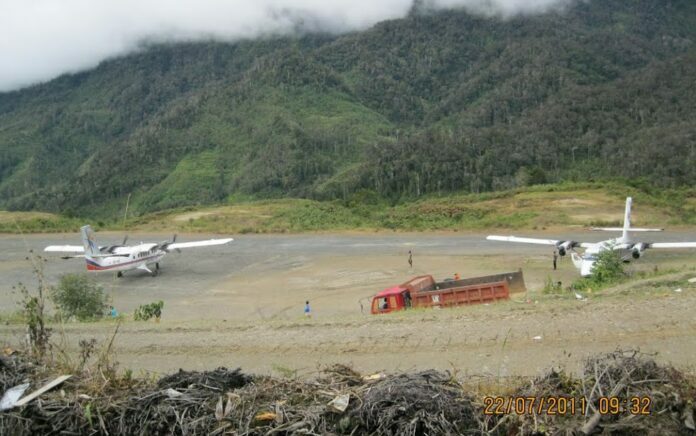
x,y
621,229
637,229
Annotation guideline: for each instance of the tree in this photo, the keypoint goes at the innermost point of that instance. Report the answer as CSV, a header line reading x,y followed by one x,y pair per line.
x,y
530,176
608,268
80,296
32,305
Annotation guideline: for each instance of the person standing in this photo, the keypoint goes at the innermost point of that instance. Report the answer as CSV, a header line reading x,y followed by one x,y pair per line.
x,y
410,259
555,258
307,310
158,312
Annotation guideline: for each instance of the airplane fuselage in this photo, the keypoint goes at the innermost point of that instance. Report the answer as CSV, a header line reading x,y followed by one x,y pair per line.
x,y
121,258
585,262
127,258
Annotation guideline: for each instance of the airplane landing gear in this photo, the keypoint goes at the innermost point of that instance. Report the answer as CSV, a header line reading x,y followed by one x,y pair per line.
x,y
119,274
157,266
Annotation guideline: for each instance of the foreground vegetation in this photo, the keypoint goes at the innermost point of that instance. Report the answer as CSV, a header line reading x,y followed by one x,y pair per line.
x,y
536,207
646,398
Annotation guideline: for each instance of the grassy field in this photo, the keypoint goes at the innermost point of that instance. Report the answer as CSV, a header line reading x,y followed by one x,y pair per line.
x,y
36,222
538,207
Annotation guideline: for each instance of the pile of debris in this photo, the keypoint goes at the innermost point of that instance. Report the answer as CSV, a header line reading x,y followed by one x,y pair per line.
x,y
341,401
623,392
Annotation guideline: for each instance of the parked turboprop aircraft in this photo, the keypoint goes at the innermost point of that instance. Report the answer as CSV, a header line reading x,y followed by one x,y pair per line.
x,y
125,258
629,249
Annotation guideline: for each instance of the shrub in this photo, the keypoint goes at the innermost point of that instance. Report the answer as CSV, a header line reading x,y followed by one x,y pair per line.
x,y
32,310
80,296
551,287
147,311
608,269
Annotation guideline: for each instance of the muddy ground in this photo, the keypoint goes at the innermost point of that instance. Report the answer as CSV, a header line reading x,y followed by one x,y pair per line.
x,y
241,305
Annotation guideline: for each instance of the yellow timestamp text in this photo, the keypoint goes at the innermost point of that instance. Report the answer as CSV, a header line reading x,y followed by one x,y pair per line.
x,y
561,405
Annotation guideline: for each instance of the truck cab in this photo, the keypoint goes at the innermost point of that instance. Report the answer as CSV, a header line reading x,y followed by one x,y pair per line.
x,y
390,300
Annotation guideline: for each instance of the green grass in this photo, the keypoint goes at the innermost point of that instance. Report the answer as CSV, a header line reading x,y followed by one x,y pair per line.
x,y
37,222
534,208
12,318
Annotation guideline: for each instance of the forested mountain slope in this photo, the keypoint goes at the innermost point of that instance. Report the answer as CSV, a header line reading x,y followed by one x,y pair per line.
x,y
436,102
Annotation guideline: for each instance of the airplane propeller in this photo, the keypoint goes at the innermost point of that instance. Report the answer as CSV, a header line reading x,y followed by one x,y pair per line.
x,y
166,244
566,246
178,250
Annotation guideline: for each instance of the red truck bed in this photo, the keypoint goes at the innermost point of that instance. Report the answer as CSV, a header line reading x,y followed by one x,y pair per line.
x,y
424,291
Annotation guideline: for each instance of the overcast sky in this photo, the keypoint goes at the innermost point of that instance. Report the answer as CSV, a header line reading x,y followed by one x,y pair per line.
x,y
41,39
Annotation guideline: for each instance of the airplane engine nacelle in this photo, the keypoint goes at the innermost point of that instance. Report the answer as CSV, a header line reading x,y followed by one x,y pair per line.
x,y
565,247
638,251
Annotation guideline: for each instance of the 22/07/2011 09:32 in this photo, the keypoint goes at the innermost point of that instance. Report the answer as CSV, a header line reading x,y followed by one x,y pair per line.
x,y
553,405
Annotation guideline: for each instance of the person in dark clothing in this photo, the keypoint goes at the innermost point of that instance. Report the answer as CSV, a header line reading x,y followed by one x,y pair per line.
x,y
555,258
410,259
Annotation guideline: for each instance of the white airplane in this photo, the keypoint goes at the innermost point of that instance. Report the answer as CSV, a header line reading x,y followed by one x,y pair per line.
x,y
125,258
629,249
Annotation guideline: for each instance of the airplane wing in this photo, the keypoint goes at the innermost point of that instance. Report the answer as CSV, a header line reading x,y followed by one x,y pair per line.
x,y
66,248
672,245
177,245
554,242
523,240
82,256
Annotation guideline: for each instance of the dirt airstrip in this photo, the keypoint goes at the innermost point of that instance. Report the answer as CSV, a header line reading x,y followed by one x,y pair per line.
x,y
241,305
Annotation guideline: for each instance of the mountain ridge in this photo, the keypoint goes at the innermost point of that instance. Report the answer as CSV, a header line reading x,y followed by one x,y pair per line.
x,y
435,102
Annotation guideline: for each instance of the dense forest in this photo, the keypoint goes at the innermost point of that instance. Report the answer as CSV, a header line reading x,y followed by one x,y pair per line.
x,y
432,103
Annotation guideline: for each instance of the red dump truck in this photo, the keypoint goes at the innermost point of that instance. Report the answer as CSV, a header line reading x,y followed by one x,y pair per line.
x,y
424,291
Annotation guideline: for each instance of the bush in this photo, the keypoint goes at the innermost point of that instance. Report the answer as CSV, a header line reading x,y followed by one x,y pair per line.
x,y
608,269
80,296
551,287
147,311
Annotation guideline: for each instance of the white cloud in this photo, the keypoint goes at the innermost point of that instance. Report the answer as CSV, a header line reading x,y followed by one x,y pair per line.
x,y
41,39
504,8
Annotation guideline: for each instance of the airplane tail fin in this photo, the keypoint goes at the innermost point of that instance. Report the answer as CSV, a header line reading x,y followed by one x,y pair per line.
x,y
89,242
626,229
627,219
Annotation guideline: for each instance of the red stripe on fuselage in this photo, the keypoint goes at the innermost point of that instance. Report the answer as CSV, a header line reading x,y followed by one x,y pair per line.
x,y
92,265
